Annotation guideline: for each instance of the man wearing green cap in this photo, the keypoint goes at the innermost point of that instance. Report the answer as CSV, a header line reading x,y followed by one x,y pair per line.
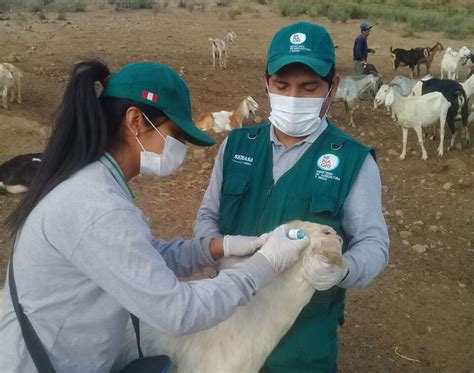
x,y
300,166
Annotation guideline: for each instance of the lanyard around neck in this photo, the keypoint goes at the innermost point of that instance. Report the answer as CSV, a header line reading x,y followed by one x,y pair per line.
x,y
120,172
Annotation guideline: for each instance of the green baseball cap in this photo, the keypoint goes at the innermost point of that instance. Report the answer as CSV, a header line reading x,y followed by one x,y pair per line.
x,y
302,42
159,86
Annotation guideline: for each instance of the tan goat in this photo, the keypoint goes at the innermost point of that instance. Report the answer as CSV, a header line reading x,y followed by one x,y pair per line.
x,y
428,60
221,121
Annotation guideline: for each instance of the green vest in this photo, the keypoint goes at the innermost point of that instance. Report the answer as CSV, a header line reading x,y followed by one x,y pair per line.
x,y
314,189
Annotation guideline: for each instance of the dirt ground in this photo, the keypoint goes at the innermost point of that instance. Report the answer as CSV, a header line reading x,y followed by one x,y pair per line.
x,y
417,316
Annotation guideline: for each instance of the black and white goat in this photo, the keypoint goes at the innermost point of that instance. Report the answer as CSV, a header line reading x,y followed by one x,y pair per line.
x,y
409,57
16,174
455,94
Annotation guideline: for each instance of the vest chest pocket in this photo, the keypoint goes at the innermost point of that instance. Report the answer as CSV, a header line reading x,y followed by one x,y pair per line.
x,y
233,190
326,209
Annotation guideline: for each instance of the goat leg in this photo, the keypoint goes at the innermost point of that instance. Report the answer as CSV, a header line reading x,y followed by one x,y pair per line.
x,y
404,146
424,154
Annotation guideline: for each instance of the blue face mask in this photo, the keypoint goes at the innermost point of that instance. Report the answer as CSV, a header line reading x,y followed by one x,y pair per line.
x,y
167,162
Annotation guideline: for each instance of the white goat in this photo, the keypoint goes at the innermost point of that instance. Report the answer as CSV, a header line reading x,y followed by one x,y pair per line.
x,y
351,88
234,346
221,121
6,84
468,87
451,60
418,112
17,77
220,48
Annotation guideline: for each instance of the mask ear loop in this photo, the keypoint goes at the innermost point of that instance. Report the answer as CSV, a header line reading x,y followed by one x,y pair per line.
x,y
151,123
136,138
325,98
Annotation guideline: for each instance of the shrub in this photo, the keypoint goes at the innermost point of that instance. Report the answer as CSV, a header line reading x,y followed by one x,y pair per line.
x,y
132,4
407,33
234,12
182,3
223,2
165,4
201,5
156,8
61,15
190,6
340,14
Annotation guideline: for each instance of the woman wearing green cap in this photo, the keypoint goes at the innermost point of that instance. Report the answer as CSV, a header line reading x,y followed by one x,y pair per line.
x,y
302,167
84,258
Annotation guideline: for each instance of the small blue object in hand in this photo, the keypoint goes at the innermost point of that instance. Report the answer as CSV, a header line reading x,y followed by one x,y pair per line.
x,y
296,234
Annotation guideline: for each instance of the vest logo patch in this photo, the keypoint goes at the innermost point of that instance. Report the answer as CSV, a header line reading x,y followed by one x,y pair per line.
x,y
328,162
243,159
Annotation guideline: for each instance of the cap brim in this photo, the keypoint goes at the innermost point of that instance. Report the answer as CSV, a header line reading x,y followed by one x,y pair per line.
x,y
320,67
193,134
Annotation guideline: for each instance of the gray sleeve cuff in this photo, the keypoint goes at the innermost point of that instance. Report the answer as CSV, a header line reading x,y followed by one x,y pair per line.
x,y
204,242
259,269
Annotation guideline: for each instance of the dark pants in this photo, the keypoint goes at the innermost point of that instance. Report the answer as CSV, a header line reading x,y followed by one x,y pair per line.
x,y
358,68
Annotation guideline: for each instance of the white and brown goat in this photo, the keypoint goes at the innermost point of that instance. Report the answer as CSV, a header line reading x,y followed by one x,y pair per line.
x,y
221,121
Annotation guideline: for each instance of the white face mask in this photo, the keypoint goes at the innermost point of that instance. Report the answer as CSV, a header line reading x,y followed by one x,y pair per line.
x,y
167,162
296,116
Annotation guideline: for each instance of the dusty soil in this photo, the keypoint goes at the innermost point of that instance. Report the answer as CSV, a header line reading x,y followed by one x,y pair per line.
x,y
417,316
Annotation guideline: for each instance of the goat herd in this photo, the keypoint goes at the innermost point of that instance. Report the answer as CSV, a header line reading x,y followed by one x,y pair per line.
x,y
414,104
418,104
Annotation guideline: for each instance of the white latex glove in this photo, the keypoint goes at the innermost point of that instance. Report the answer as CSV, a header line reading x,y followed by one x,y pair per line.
x,y
281,251
323,275
243,245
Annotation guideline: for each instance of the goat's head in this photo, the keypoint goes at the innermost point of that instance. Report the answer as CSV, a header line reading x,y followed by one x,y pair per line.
x,y
438,47
450,51
390,98
231,37
251,104
464,51
324,239
381,95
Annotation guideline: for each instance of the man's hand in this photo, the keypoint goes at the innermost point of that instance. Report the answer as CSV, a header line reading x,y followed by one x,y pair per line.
x,y
321,274
243,245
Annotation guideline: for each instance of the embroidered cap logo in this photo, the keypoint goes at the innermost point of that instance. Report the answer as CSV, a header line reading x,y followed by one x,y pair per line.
x,y
298,38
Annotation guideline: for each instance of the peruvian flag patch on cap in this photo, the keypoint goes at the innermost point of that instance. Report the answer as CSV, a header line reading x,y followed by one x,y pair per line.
x,y
150,96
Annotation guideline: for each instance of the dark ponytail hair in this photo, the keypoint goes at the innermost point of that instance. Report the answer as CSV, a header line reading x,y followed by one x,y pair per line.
x,y
84,127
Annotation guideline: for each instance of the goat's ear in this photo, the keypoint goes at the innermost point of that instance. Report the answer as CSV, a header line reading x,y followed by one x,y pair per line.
x,y
390,97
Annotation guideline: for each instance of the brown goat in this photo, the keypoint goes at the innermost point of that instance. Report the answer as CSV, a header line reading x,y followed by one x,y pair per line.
x,y
428,60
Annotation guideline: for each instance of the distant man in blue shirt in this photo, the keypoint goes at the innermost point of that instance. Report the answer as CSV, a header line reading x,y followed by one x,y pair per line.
x,y
360,48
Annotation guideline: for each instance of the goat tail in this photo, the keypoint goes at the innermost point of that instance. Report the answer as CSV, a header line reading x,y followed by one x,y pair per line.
x,y
391,50
461,99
